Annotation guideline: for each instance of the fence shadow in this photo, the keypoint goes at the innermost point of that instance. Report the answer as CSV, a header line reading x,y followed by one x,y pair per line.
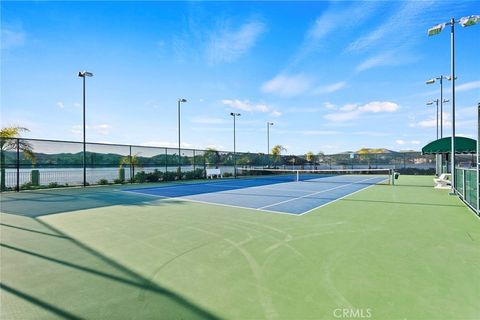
x,y
26,252
45,202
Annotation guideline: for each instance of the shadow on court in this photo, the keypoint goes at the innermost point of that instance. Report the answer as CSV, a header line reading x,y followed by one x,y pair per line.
x,y
47,273
45,202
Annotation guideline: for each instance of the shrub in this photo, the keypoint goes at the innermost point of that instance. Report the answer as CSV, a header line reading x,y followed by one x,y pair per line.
x,y
190,175
169,176
199,174
227,174
26,186
154,176
140,177
118,181
53,185
103,181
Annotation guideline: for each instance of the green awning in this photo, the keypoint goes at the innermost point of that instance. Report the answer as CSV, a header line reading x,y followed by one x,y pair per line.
x,y
444,145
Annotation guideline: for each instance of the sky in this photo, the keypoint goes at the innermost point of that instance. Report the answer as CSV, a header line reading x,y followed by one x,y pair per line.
x,y
332,76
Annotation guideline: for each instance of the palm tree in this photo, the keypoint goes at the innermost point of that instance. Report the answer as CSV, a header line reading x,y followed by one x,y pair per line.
x,y
212,156
309,156
276,152
9,140
130,160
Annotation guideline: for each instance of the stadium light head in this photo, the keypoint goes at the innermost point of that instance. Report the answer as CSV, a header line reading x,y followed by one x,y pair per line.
x,y
235,114
430,81
446,100
182,100
270,123
469,21
429,103
83,74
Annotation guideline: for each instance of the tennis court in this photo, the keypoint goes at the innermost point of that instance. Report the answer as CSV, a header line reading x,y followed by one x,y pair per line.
x,y
402,251
282,191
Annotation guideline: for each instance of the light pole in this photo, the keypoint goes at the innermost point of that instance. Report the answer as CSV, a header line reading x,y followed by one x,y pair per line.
x,y
437,101
432,81
84,74
464,22
179,149
268,141
234,115
438,158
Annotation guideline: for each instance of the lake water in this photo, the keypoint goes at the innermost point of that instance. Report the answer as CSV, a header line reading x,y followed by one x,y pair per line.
x,y
74,176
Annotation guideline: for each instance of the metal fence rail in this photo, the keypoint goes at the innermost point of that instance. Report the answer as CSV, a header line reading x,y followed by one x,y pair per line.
x,y
36,163
466,186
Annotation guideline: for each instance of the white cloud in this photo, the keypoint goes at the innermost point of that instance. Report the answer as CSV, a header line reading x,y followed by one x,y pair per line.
x,y
382,59
468,86
431,122
12,39
401,142
275,113
335,19
226,45
377,106
329,105
208,120
353,111
246,105
287,85
349,107
330,88
400,26
415,142
447,90
60,105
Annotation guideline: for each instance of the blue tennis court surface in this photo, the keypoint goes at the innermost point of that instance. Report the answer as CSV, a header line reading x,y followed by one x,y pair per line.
x,y
291,197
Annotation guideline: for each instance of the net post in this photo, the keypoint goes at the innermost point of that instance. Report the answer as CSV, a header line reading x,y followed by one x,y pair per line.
x,y
298,175
17,186
392,174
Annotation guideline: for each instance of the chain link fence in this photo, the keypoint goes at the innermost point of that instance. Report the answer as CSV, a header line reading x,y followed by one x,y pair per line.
x,y
33,163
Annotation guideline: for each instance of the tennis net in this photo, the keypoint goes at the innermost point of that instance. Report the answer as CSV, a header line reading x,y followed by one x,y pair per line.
x,y
352,176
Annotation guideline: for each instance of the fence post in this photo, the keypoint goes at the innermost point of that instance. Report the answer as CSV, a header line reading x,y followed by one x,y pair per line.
x,y
204,165
166,160
464,183
17,188
193,162
478,160
130,163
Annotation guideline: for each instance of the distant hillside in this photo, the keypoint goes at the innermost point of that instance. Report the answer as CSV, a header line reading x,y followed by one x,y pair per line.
x,y
371,151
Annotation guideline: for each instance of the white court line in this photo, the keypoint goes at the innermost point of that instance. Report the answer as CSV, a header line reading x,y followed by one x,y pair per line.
x,y
314,193
249,208
211,203
332,201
